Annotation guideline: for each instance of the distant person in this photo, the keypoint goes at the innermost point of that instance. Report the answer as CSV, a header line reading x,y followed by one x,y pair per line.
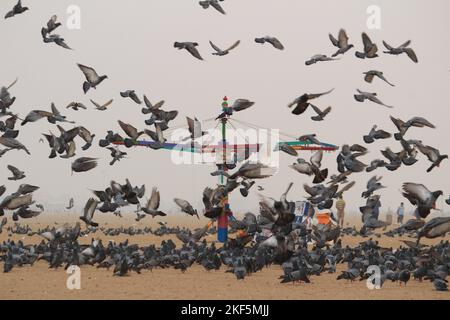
x,y
324,219
340,207
400,213
376,209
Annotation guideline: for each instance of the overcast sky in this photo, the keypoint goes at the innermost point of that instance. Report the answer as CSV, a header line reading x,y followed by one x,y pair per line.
x,y
132,42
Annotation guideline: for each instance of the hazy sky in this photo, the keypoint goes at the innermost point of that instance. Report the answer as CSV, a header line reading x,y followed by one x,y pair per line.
x,y
132,42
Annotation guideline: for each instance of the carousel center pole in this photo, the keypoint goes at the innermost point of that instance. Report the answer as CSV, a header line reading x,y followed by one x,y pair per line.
x,y
222,223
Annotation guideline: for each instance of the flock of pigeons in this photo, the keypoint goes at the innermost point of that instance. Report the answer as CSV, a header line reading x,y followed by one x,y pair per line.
x,y
60,249
286,242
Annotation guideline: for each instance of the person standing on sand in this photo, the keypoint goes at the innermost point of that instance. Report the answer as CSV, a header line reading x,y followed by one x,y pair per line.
x,y
340,207
400,213
376,209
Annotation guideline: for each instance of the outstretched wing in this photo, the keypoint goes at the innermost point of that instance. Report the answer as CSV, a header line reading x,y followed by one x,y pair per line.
x,y
181,203
215,47
153,203
193,50
333,40
89,208
90,74
317,95
343,39
418,191
234,45
13,170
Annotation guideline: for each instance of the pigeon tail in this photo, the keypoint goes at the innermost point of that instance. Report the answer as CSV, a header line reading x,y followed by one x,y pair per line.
x,y
360,55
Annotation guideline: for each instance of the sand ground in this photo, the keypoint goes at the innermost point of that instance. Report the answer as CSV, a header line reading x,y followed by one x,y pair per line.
x,y
39,282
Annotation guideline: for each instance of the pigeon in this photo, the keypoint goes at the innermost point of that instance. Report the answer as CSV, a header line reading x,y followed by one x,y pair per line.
x,y
52,25
285,147
375,164
376,134
309,138
362,96
88,212
213,3
239,270
8,126
409,146
35,115
372,185
318,58
238,105
70,206
92,78
404,48
24,212
347,160
420,196
84,164
341,43
404,276
246,185
157,136
440,285
250,170
190,47
116,154
12,143
358,148
150,108
186,207
272,40
26,189
403,126
302,103
195,128
70,150
131,132
395,159
296,276
350,274
320,114
153,204
6,101
434,228
220,52
76,106
57,39
17,9
370,48
102,107
312,168
17,174
433,155
132,95
57,116
369,75
340,178
86,135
